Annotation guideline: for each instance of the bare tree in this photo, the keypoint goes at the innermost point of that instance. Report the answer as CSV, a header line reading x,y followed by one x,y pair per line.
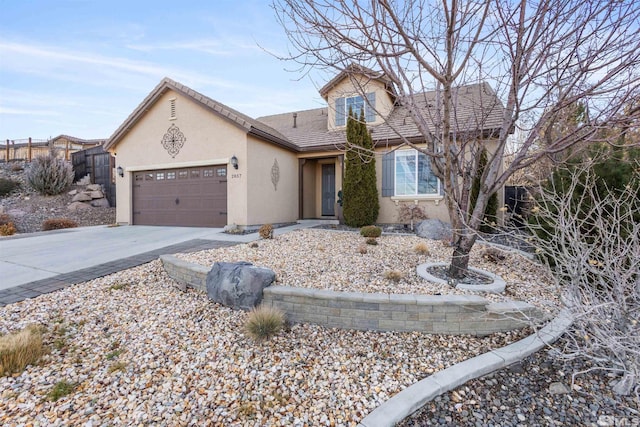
x,y
595,252
541,58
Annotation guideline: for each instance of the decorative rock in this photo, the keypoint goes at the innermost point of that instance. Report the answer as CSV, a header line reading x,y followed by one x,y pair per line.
x,y
100,203
434,229
81,197
238,285
232,229
558,388
76,206
73,192
94,187
97,194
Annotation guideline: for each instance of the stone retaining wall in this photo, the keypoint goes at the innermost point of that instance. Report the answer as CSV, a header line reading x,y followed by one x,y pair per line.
x,y
445,314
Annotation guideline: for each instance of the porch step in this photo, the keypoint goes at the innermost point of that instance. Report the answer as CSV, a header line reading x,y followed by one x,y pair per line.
x,y
318,222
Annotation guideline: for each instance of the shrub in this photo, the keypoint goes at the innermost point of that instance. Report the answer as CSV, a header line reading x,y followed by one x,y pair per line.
x,y
5,219
60,390
58,224
359,192
7,229
264,322
17,167
371,231
393,275
372,241
7,186
266,231
421,249
491,210
49,175
410,213
19,349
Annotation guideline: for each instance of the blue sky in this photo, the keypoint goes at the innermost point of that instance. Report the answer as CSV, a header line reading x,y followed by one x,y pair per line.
x,y
80,67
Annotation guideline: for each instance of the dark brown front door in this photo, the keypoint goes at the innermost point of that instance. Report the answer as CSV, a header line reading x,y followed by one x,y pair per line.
x,y
193,197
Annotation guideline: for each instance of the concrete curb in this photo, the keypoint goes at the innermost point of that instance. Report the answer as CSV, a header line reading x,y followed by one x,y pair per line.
x,y
414,397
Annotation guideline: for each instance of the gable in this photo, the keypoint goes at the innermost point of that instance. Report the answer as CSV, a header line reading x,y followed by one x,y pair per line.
x,y
377,99
246,123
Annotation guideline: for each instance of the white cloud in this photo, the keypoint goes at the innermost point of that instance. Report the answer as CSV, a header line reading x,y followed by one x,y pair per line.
x,y
92,69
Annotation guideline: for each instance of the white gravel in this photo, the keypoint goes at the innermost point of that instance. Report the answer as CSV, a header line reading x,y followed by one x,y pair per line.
x,y
148,354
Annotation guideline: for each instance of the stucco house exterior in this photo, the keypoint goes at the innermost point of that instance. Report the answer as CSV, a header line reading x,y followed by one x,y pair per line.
x,y
185,159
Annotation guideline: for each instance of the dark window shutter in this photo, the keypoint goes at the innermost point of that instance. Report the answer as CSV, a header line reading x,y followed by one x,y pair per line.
x,y
370,108
388,174
340,116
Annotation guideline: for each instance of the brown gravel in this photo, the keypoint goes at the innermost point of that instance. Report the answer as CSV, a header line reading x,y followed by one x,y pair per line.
x,y
28,209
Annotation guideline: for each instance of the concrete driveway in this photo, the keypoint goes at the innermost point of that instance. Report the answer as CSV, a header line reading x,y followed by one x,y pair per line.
x,y
33,264
28,258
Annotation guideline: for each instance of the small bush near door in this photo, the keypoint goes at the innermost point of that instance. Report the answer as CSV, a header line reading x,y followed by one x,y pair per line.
x,y
371,231
266,231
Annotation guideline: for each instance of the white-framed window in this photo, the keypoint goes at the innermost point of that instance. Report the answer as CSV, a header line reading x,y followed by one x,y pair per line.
x,y
413,175
358,105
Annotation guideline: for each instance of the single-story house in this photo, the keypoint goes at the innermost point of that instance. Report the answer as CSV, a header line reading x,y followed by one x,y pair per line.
x,y
185,159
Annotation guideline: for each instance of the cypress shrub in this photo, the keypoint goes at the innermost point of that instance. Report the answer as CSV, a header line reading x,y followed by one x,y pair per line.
x,y
360,195
491,210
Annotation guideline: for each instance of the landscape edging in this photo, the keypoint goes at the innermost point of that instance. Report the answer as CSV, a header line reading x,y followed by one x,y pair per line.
x,y
414,397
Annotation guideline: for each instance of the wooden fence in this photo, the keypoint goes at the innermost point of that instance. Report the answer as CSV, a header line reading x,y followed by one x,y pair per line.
x,y
27,149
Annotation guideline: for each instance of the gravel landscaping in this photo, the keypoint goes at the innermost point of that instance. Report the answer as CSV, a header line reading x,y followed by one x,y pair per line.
x,y
335,260
135,350
139,351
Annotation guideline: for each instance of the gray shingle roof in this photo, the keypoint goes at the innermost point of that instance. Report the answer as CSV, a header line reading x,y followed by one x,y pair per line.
x,y
477,108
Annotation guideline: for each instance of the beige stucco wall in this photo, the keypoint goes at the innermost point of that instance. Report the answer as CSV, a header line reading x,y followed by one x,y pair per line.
x,y
266,202
347,88
434,206
210,140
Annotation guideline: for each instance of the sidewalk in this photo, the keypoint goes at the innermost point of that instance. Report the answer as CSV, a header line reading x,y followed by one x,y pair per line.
x,y
39,263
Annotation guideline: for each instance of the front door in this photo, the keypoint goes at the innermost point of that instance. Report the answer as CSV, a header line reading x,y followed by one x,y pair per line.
x,y
328,189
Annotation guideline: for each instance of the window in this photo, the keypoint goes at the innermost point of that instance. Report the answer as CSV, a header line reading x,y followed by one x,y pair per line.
x,y
413,176
357,105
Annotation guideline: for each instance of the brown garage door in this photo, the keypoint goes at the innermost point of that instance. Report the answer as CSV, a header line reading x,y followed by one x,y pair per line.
x,y
194,197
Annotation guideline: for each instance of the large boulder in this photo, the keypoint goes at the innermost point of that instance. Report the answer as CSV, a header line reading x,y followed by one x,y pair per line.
x,y
434,229
100,203
238,285
78,206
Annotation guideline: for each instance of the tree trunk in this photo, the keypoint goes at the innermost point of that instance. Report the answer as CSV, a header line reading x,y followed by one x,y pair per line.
x,y
460,258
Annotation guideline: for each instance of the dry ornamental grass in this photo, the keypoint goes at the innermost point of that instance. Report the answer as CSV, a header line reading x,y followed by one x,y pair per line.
x,y
19,349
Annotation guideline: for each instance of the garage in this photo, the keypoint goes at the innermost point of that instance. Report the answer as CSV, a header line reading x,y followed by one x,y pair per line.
x,y
190,197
